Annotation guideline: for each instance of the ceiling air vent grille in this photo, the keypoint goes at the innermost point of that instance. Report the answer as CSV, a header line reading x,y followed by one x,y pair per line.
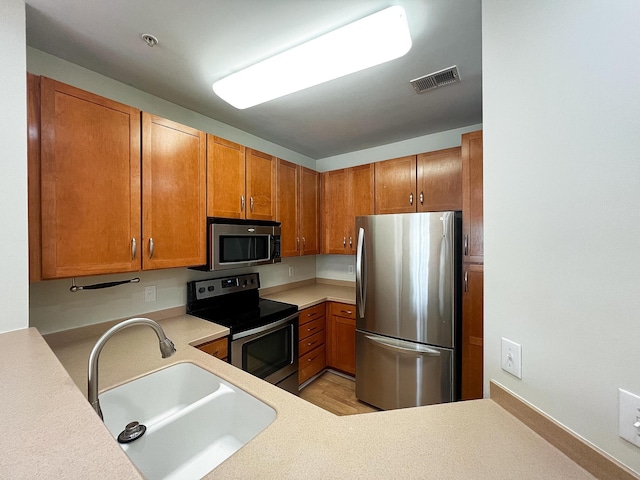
x,y
436,79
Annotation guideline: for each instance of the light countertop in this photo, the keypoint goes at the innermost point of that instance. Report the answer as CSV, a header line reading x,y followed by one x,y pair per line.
x,y
50,430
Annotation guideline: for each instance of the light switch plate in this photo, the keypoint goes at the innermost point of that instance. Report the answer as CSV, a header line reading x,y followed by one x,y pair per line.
x,y
629,414
291,271
512,358
350,269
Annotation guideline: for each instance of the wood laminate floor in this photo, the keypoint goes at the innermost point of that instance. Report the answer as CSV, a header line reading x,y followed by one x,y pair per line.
x,y
335,394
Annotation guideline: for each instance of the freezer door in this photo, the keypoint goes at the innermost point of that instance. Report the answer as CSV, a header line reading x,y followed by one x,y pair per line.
x,y
392,373
405,276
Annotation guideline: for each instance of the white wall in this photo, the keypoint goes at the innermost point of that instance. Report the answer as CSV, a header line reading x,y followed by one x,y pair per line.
x,y
14,300
54,308
40,63
561,116
412,146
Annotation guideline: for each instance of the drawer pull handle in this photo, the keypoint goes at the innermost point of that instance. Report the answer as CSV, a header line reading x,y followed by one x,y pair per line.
x,y
312,329
313,314
348,312
312,359
312,343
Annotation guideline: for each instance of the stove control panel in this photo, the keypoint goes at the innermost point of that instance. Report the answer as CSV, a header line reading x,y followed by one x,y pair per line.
x,y
215,287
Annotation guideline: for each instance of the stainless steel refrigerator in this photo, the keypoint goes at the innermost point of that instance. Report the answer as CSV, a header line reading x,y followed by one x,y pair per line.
x,y
408,308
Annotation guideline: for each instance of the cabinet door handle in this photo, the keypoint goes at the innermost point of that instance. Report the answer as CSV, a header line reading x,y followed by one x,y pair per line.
x,y
466,244
151,248
411,198
242,203
421,198
134,248
344,241
251,203
350,241
304,243
297,244
466,281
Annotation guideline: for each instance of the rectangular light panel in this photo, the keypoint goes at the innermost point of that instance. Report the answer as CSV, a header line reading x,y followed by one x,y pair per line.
x,y
364,43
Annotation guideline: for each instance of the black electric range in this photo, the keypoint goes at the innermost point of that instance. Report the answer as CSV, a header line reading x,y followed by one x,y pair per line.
x,y
234,302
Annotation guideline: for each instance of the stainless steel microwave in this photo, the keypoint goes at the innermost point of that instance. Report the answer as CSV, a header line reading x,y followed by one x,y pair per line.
x,y
235,243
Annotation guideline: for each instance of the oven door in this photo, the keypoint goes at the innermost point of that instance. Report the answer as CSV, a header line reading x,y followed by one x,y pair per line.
x,y
269,352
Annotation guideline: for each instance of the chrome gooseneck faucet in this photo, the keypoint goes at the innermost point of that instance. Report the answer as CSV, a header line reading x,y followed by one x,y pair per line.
x,y
166,349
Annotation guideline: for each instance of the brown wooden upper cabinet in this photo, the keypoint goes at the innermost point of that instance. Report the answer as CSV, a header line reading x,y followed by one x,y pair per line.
x,y
241,181
173,194
420,183
297,206
89,183
440,180
396,185
472,204
85,179
346,193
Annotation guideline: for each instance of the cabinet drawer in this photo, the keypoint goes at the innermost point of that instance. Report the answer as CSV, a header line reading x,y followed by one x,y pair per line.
x,y
309,328
311,342
311,313
343,310
311,363
218,348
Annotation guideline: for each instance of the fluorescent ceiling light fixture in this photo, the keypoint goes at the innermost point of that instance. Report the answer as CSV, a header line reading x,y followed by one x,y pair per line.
x,y
364,43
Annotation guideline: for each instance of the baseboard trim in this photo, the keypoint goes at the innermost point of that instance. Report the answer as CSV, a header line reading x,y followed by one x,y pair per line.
x,y
588,456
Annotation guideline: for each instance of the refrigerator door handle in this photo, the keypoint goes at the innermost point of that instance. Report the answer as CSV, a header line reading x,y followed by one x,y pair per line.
x,y
402,347
361,274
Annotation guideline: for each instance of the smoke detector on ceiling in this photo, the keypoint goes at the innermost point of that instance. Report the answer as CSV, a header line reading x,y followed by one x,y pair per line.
x,y
437,79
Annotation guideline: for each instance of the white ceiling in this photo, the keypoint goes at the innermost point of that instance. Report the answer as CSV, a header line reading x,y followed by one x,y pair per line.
x,y
202,41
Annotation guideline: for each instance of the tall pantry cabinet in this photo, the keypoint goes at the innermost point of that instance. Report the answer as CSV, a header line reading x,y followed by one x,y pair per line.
x,y
473,269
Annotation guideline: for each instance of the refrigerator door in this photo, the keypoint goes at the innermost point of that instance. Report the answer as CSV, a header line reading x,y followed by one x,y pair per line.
x,y
405,276
394,373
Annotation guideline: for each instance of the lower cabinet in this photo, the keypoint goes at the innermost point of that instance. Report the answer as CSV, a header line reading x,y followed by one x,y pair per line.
x,y
312,342
218,348
342,337
472,331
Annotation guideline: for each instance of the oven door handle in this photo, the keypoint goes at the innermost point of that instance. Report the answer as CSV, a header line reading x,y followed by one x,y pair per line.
x,y
265,328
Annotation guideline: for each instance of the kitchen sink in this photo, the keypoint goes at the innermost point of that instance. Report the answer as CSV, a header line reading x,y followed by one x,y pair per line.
x,y
194,419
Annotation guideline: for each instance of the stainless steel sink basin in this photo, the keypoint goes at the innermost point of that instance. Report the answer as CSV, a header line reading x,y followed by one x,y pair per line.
x,y
194,419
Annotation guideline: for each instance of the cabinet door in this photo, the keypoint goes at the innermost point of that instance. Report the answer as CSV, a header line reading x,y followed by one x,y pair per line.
x,y
287,208
334,202
361,199
472,195
225,178
33,169
174,194
90,183
472,331
343,344
260,185
440,180
396,185
309,208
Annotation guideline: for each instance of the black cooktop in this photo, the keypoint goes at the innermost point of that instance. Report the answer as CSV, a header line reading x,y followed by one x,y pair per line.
x,y
234,302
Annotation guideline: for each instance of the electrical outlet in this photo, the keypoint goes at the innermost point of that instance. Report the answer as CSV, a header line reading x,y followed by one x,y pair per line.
x,y
291,271
150,293
350,269
512,358
629,416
